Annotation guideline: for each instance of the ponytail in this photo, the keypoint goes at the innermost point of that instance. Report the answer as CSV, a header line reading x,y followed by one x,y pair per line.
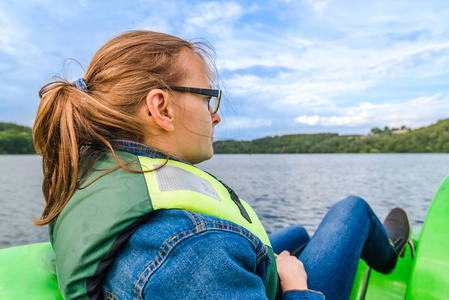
x,y
76,119
56,136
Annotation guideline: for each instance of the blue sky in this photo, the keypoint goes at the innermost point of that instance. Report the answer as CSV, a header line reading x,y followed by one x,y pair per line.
x,y
287,66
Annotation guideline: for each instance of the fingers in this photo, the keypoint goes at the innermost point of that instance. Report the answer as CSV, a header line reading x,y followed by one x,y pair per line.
x,y
284,253
291,272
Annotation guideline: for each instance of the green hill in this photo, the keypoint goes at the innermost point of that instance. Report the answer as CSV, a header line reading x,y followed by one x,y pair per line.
x,y
15,139
431,139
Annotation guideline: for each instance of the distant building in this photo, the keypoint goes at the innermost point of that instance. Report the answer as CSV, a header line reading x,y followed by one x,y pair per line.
x,y
400,131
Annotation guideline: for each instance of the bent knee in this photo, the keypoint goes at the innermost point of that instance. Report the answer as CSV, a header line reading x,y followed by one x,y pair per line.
x,y
351,204
300,232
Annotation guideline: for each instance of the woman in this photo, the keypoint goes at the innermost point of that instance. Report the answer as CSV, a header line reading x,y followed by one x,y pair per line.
x,y
131,217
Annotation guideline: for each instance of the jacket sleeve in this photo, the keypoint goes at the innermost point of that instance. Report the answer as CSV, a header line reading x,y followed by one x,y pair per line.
x,y
303,295
212,265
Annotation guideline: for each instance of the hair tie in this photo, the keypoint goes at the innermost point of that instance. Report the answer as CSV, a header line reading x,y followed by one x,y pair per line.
x,y
81,85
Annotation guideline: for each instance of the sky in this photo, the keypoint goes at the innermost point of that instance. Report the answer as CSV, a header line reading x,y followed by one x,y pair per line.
x,y
287,67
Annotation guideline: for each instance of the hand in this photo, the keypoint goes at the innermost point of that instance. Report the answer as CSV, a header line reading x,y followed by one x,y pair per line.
x,y
291,272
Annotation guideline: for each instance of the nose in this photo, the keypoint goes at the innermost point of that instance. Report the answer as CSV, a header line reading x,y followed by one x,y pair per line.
x,y
215,119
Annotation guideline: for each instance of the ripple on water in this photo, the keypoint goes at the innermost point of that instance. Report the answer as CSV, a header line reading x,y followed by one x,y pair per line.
x,y
283,189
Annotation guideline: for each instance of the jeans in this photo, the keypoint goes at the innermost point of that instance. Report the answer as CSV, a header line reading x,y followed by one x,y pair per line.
x,y
348,232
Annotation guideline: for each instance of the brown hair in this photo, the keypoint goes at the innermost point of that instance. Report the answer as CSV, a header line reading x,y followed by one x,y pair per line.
x,y
69,121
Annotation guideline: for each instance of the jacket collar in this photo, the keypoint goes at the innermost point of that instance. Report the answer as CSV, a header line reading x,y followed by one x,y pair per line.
x,y
142,150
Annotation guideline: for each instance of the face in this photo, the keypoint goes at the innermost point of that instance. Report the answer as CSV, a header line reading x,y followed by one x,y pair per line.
x,y
194,124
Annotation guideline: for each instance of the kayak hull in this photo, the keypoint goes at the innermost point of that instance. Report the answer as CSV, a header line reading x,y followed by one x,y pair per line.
x,y
27,272
426,274
369,284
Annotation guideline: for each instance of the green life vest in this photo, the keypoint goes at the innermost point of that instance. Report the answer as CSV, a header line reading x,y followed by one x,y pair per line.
x,y
97,221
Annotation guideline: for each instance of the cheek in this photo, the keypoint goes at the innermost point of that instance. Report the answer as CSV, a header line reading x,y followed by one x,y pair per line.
x,y
199,124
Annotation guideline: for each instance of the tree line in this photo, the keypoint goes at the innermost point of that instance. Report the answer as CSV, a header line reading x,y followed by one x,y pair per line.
x,y
17,139
431,139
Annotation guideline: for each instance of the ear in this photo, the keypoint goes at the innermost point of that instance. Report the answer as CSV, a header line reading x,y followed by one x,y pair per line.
x,y
159,108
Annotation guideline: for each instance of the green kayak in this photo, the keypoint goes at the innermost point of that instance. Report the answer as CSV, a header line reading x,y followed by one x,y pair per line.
x,y
27,272
423,273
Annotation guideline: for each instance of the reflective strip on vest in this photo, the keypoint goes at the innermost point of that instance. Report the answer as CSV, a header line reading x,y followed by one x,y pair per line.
x,y
179,185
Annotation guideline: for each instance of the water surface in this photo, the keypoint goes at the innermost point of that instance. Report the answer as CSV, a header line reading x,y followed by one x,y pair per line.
x,y
283,188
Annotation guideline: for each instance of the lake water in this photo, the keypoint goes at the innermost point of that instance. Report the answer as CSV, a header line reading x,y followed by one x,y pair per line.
x,y
283,188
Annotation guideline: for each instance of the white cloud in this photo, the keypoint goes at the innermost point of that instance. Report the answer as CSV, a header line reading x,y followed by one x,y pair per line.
x,y
302,100
418,112
231,123
326,72
368,105
313,120
215,18
330,69
326,69
424,101
351,119
319,6
212,12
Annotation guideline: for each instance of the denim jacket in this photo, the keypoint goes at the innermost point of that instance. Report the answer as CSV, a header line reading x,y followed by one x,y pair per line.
x,y
179,254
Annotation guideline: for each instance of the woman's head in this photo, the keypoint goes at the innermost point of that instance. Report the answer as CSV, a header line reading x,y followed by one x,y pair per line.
x,y
183,121
119,80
